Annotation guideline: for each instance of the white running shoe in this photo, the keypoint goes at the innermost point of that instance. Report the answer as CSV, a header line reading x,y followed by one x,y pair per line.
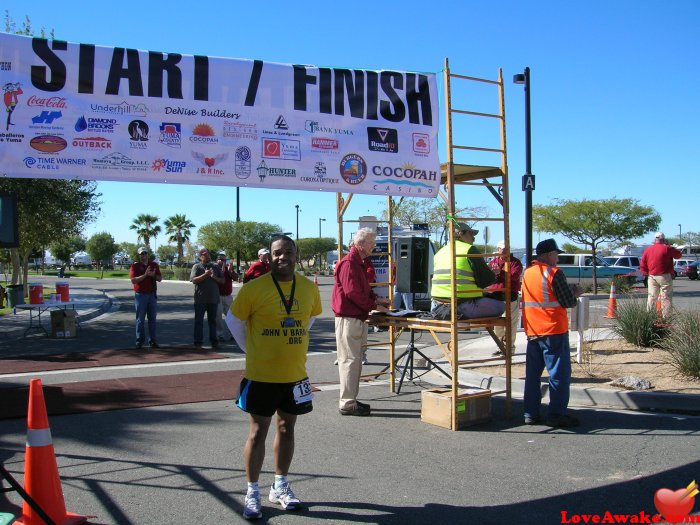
x,y
284,496
251,508
364,360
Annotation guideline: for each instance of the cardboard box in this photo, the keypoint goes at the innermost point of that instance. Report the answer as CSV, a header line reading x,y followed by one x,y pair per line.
x,y
63,323
473,407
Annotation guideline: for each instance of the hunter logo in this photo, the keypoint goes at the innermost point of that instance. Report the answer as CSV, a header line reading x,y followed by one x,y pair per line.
x,y
385,140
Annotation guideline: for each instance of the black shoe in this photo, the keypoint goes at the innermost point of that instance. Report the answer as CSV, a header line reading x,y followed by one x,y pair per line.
x,y
139,345
198,345
359,410
360,403
215,344
153,344
533,420
562,422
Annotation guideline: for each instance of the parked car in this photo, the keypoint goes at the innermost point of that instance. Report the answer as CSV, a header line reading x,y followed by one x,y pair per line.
x,y
628,261
578,268
690,270
679,265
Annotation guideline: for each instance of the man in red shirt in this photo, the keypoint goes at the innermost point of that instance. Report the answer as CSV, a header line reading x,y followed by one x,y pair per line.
x,y
352,300
259,267
144,275
657,264
225,297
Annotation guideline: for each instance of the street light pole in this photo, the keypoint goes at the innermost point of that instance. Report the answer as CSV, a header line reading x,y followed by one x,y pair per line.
x,y
528,178
680,234
319,226
238,219
298,210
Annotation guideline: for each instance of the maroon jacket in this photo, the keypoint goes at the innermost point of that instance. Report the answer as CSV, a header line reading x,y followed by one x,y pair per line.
x,y
352,295
256,269
657,259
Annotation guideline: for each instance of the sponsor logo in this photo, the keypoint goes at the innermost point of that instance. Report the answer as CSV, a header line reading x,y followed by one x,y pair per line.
x,y
48,102
189,112
168,166
283,149
123,108
138,131
264,171
406,177
52,163
5,66
203,134
240,130
119,161
281,123
324,144
92,143
209,162
353,169
11,98
46,117
242,162
312,126
319,169
320,175
48,143
170,134
11,137
421,143
385,140
95,125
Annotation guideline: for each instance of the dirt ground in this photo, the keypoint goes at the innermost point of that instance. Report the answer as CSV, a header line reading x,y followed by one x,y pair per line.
x,y
607,360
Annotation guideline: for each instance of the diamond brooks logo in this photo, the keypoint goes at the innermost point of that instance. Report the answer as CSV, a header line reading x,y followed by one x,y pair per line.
x,y
673,506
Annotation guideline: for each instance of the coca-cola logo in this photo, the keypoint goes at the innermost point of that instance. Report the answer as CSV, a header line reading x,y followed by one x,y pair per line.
x,y
49,102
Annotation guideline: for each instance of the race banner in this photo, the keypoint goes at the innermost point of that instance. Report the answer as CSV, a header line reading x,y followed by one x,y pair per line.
x,y
118,114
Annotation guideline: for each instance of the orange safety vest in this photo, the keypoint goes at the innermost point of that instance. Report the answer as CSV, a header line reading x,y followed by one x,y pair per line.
x,y
542,313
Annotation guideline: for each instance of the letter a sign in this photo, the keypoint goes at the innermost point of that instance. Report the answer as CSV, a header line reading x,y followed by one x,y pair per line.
x,y
528,182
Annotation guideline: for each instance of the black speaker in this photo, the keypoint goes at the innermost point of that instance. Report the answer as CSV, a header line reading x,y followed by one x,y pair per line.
x,y
412,264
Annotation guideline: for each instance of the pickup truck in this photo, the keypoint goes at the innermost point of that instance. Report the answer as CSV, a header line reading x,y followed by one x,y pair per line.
x,y
578,268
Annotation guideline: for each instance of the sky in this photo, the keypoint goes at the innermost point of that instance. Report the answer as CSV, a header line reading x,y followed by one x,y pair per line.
x,y
614,93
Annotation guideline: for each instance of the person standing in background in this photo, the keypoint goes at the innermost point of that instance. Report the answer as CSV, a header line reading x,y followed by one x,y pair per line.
x,y
206,277
259,267
498,267
657,265
145,275
225,296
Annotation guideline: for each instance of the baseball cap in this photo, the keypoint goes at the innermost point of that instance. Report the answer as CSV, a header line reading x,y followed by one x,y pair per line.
x,y
546,246
142,249
659,235
203,251
221,255
464,227
501,244
263,251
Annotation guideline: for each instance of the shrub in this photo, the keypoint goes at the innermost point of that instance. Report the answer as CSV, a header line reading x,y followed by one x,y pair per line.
x,y
637,325
683,343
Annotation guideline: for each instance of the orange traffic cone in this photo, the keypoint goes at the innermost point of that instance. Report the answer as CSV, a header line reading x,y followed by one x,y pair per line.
x,y
659,309
612,302
41,479
316,279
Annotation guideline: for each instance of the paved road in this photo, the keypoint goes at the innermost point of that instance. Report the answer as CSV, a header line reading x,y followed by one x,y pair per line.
x,y
182,463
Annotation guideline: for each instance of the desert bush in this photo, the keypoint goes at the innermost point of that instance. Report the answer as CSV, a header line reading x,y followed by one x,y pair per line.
x,y
177,273
637,325
683,343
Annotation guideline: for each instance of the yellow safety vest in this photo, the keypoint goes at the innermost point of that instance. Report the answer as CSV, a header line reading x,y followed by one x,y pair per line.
x,y
466,284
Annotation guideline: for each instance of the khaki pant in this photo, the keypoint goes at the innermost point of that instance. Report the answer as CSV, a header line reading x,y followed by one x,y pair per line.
x,y
660,288
500,331
350,339
224,306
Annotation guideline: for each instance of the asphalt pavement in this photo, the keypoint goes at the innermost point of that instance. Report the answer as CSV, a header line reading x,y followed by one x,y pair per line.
x,y
183,463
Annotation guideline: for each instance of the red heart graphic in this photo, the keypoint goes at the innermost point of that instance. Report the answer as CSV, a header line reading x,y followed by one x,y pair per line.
x,y
209,161
673,504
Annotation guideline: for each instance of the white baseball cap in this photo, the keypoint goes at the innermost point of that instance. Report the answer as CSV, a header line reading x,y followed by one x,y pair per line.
x,y
501,244
263,251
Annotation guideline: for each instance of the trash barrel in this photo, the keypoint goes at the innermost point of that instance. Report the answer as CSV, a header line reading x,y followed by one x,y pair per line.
x,y
15,295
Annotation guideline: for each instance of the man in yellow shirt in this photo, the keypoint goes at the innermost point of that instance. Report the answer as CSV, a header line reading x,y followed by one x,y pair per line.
x,y
270,320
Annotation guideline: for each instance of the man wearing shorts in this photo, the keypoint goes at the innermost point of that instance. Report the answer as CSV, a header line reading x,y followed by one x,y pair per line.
x,y
270,320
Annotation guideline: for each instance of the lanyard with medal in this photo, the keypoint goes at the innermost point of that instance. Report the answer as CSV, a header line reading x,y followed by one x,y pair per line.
x,y
289,320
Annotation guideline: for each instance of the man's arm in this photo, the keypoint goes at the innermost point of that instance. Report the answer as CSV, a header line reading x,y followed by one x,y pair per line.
x,y
237,327
355,286
562,290
483,276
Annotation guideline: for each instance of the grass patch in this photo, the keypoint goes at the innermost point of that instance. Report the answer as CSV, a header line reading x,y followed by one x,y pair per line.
x,y
683,343
637,325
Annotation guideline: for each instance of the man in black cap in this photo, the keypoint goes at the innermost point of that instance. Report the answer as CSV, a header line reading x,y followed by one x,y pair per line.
x,y
473,275
546,296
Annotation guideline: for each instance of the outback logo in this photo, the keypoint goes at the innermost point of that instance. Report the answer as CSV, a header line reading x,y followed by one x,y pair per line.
x,y
242,163
168,166
203,134
421,143
138,131
385,140
48,102
240,130
95,125
170,134
353,169
324,144
283,149
281,123
123,108
93,143
119,161
312,126
45,118
48,143
52,163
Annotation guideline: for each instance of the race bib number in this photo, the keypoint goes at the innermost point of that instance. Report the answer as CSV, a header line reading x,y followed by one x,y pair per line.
x,y
302,392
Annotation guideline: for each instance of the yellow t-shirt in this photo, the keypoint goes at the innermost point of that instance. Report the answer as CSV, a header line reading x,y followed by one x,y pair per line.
x,y
275,353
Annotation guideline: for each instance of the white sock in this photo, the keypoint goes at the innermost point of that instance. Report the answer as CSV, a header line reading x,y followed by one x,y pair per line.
x,y
280,480
253,487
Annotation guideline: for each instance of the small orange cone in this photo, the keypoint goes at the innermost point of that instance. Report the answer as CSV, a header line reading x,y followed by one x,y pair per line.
x,y
659,309
316,279
41,479
612,302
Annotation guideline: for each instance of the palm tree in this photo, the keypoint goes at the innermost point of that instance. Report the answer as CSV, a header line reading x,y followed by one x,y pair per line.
x,y
178,227
145,227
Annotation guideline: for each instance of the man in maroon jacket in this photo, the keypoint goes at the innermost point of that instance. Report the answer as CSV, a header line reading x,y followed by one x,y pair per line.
x,y
144,275
352,300
259,267
657,264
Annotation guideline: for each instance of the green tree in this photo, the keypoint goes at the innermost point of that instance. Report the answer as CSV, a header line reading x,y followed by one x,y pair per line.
x,y
101,248
166,253
145,227
314,248
25,29
178,227
594,222
63,249
246,237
